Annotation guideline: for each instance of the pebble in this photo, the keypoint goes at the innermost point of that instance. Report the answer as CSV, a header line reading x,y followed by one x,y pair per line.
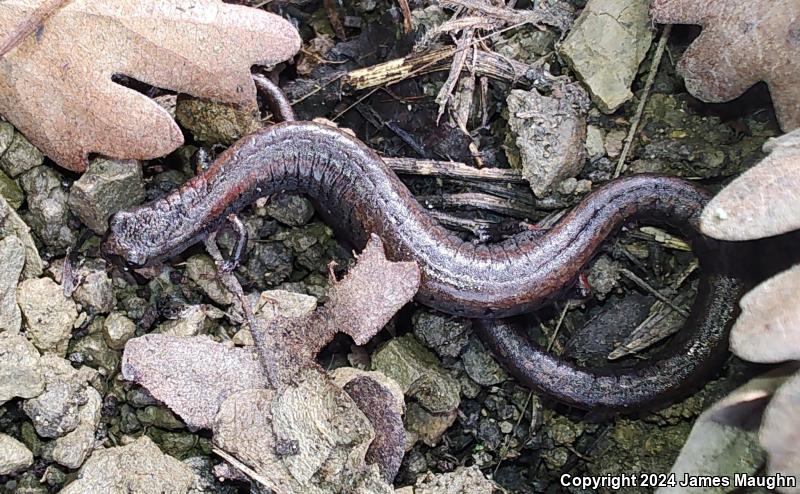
x,y
446,335
117,330
290,209
12,260
605,47
48,316
481,366
11,191
20,155
95,292
107,186
215,123
202,270
138,468
14,456
72,449
12,224
615,141
55,411
48,213
595,142
19,368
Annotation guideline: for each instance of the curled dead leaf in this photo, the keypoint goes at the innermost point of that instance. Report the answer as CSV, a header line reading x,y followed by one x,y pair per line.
x,y
764,201
56,87
743,42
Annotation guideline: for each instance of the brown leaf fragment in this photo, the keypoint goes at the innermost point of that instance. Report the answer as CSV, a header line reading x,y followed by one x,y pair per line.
x,y
193,375
779,434
56,87
359,305
768,330
762,202
743,42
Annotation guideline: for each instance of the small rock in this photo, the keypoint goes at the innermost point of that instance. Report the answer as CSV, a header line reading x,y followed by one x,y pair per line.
x,y
71,450
96,290
190,322
615,141
48,315
6,136
605,47
106,187
11,191
20,156
548,133
138,468
595,142
14,456
48,213
202,270
269,263
19,368
464,480
55,411
215,123
446,335
603,276
568,186
12,224
158,416
406,361
12,260
481,366
290,209
205,481
583,186
117,330
272,303
425,426
93,351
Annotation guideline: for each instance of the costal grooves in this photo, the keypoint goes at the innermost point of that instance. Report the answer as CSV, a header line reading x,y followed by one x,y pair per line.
x,y
358,194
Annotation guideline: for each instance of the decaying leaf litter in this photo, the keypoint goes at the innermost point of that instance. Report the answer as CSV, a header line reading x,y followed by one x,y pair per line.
x,y
500,66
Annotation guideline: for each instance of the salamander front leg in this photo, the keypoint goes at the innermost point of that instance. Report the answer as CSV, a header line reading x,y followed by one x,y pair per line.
x,y
229,265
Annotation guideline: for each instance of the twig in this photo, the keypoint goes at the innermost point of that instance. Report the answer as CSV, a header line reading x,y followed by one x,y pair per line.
x,y
558,327
30,24
645,286
651,77
454,170
406,10
246,470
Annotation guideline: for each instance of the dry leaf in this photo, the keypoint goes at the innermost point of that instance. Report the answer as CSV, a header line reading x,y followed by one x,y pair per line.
x,y
764,201
779,434
56,86
768,330
743,42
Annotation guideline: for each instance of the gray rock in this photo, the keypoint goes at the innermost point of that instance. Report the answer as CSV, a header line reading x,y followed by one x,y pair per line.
x,y
14,456
106,187
595,142
190,322
159,416
47,314
481,366
19,368
95,292
406,361
20,155
464,480
55,411
117,330
329,433
446,335
11,191
614,142
268,263
421,425
548,133
290,209
6,136
12,260
48,213
72,449
138,468
605,47
213,123
202,270
92,350
603,276
12,224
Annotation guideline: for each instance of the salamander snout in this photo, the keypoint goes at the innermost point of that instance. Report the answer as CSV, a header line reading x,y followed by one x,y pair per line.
x,y
119,244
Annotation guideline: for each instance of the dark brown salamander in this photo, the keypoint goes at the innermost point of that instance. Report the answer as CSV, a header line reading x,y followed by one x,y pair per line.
x,y
357,194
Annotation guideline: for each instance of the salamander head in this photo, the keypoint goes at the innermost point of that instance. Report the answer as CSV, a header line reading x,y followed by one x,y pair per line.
x,y
122,244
